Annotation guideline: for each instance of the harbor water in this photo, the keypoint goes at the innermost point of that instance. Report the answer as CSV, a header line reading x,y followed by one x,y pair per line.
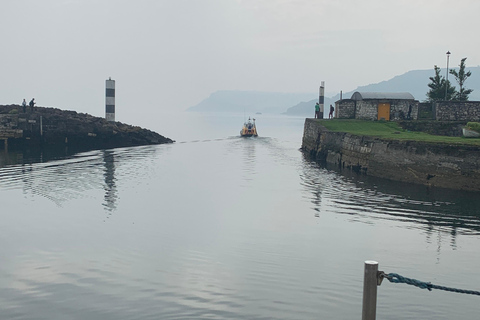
x,y
216,226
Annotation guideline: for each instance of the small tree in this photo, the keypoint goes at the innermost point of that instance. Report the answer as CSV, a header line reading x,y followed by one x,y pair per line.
x,y
461,76
437,88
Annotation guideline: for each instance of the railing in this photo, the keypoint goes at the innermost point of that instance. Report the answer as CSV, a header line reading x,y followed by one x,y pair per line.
x,y
373,278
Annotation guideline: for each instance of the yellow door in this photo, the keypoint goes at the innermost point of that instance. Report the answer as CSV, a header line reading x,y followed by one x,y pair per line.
x,y
384,111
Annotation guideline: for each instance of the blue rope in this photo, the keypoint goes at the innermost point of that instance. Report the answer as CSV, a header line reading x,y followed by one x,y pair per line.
x,y
396,278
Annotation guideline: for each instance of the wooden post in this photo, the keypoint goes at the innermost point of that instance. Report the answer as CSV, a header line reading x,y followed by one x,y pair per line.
x,y
369,311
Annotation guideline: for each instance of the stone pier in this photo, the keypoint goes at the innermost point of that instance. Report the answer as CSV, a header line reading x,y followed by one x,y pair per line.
x,y
432,164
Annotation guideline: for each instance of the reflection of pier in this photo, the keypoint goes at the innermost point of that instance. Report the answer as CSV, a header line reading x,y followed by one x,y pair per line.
x,y
109,177
10,158
61,177
441,212
5,134
312,180
58,177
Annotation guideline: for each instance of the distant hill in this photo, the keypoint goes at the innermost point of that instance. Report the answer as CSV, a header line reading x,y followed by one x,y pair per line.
x,y
414,82
302,104
250,101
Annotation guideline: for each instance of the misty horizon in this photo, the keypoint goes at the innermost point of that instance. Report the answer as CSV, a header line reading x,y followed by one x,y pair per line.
x,y
170,55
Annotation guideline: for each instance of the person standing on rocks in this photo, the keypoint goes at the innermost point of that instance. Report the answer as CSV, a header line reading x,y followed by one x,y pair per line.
x,y
317,110
24,105
32,104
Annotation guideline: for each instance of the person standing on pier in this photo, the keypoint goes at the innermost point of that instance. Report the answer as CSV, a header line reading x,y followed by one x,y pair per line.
x,y
317,110
24,105
330,115
32,104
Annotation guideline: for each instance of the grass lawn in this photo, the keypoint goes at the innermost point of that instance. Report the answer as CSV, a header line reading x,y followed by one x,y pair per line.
x,y
390,130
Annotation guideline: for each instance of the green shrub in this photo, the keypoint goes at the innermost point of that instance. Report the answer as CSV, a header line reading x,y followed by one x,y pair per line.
x,y
475,126
13,111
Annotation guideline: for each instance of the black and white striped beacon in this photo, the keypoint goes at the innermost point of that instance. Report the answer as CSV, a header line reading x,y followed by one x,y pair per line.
x,y
110,100
321,99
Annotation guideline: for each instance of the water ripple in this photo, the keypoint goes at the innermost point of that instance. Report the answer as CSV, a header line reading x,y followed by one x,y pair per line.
x,y
70,177
418,206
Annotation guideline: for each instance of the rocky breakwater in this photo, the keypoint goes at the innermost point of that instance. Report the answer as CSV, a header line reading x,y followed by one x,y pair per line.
x,y
432,164
51,127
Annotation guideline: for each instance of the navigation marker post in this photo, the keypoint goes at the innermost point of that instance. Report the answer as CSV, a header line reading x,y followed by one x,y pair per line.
x,y
321,99
110,99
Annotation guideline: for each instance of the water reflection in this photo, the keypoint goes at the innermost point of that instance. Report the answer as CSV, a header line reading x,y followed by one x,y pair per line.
x,y
61,177
109,177
248,157
9,158
439,212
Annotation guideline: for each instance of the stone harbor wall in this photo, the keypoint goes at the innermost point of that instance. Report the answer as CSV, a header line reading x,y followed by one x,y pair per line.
x,y
399,109
439,128
440,111
425,111
457,111
432,164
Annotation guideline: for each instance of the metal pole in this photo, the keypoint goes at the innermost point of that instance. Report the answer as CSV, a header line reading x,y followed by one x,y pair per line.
x,y
369,311
446,81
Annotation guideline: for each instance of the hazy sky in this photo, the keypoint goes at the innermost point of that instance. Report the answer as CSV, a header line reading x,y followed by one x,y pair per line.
x,y
171,54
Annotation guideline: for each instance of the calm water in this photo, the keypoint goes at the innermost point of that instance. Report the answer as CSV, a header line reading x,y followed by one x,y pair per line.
x,y
220,227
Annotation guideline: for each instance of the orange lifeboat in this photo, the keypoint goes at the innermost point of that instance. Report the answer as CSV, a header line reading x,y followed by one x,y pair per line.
x,y
249,129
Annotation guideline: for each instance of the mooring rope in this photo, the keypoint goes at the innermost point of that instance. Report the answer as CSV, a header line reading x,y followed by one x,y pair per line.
x,y
396,278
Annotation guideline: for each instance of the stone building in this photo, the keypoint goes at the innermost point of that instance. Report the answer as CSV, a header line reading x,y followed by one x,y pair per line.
x,y
378,106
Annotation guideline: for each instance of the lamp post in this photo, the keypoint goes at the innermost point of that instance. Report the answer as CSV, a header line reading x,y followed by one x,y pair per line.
x,y
446,81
